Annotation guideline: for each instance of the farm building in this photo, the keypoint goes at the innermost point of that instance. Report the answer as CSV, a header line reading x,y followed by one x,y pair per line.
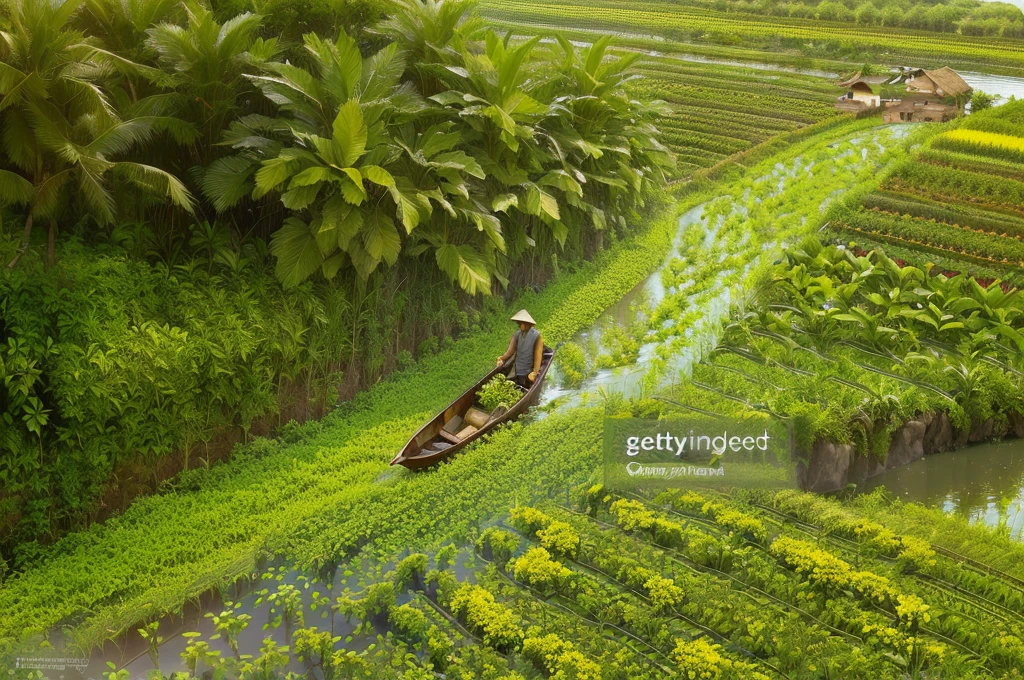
x,y
918,111
927,99
943,82
862,93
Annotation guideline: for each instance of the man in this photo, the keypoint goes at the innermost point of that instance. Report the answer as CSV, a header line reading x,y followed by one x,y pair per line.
x,y
527,347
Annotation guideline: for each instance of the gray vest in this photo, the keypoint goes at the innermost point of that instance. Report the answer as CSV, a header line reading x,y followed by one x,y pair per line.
x,y
525,345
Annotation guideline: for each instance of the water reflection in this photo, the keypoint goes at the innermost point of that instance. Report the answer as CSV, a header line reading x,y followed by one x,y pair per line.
x,y
984,484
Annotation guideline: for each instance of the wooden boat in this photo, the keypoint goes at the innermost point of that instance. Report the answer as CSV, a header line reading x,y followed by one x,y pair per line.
x,y
446,434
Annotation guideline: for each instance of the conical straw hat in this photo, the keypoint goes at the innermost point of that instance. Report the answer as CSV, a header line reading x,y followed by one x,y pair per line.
x,y
523,315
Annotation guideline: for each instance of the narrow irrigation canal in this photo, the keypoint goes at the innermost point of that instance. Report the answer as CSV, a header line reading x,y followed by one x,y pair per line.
x,y
655,334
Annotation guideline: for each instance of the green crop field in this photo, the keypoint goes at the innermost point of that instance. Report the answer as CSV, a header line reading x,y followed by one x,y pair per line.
x,y
717,111
250,248
957,202
671,19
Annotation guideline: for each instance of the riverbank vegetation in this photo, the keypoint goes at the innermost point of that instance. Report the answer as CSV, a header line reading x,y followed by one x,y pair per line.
x,y
314,492
220,228
852,347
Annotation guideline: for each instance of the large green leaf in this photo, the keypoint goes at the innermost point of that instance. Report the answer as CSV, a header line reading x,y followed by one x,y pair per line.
x,y
272,173
378,175
340,222
458,160
228,180
298,255
549,205
14,188
158,181
300,197
503,202
380,237
309,176
349,133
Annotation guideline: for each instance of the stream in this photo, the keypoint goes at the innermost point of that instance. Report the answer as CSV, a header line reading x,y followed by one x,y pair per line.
x,y
679,350
984,484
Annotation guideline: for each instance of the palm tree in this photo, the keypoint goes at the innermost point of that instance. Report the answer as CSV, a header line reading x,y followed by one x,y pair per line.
x,y
206,62
60,129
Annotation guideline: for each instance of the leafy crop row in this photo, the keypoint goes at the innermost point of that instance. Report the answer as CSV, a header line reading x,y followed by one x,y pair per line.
x,y
664,17
958,199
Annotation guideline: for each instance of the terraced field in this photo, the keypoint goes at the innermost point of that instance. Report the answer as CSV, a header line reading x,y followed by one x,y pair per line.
x,y
958,202
718,111
874,43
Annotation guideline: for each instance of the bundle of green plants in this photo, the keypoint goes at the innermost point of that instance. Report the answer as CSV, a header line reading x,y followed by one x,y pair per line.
x,y
499,391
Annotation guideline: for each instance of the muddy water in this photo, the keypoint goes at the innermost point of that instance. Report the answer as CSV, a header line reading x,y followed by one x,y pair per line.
x,y
983,484
130,652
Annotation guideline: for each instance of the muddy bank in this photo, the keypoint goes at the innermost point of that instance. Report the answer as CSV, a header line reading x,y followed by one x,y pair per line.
x,y
831,466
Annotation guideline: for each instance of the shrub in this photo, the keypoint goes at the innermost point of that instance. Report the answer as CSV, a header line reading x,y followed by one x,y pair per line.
x,y
537,569
559,659
501,543
560,538
498,627
408,621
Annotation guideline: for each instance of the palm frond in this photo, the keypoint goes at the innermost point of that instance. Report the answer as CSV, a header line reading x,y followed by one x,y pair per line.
x,y
14,188
157,181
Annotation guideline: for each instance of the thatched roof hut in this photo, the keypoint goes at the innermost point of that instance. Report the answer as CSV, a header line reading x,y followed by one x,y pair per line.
x,y
942,82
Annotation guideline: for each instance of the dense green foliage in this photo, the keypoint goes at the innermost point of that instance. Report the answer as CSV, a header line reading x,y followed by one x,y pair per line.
x,y
492,154
682,585
314,493
852,347
461,159
447,130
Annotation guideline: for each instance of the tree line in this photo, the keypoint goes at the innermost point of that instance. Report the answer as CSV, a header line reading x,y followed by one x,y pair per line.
x,y
426,136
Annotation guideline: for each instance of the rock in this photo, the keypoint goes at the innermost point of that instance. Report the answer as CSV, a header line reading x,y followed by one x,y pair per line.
x,y
907,444
982,431
960,438
863,468
827,468
938,436
1016,423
